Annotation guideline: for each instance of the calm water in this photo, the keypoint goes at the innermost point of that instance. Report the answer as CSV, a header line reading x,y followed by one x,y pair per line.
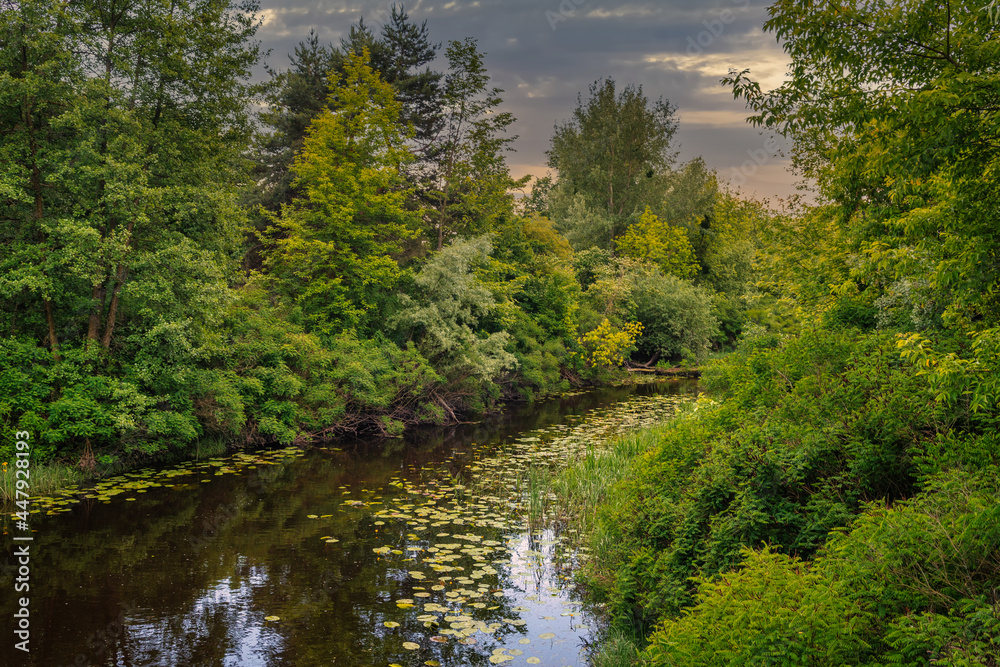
x,y
362,554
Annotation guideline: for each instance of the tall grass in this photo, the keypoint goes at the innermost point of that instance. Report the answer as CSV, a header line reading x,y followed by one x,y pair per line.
x,y
537,484
45,479
589,485
592,480
617,649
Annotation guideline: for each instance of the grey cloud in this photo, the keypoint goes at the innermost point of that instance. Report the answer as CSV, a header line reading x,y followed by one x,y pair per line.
x,y
543,70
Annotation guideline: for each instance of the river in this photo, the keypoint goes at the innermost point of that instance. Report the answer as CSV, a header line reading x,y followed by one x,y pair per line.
x,y
403,552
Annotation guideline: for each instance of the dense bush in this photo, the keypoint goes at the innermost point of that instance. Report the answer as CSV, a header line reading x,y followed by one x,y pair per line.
x,y
811,428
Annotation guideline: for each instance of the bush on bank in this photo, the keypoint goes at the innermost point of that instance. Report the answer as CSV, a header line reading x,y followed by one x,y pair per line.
x,y
827,511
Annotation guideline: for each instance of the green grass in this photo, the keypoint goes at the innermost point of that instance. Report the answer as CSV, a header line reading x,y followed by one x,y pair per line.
x,y
44,480
592,481
617,649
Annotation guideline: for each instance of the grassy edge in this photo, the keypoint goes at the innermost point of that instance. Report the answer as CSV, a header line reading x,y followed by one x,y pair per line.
x,y
46,479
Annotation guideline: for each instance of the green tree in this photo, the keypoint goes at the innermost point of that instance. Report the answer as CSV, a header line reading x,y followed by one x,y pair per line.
x,y
296,96
333,248
615,153
299,94
409,49
892,111
443,318
654,241
398,52
469,188
123,128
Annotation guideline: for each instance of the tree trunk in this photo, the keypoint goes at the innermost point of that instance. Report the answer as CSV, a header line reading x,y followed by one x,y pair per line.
x,y
109,323
38,213
96,306
656,355
120,275
53,339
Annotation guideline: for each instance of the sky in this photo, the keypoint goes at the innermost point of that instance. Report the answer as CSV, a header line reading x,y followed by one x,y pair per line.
x,y
544,53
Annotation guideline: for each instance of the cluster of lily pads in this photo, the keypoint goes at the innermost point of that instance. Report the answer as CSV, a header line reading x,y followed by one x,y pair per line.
x,y
184,475
464,551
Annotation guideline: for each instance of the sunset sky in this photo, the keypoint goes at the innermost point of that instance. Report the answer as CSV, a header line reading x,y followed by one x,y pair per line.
x,y
543,53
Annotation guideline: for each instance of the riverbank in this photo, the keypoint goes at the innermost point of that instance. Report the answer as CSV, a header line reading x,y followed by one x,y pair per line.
x,y
827,508
50,477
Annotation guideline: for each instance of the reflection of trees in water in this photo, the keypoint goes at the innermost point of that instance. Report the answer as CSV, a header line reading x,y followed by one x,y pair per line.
x,y
191,572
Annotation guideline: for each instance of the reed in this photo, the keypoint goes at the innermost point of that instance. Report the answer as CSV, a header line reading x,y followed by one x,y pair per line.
x,y
44,479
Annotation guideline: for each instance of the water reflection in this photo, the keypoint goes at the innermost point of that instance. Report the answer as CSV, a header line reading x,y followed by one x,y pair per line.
x,y
187,572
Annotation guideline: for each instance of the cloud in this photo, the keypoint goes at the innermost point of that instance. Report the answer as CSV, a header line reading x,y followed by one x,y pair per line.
x,y
543,70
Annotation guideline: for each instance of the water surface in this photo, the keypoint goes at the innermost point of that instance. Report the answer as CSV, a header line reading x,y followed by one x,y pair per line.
x,y
364,553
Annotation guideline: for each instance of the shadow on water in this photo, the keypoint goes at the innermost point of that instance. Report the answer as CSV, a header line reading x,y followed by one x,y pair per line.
x,y
186,566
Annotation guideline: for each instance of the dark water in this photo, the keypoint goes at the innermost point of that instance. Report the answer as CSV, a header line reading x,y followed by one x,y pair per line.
x,y
184,567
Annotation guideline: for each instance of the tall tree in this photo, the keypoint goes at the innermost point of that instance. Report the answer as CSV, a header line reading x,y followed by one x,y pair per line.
x,y
470,187
123,126
894,110
333,248
615,154
296,96
409,49
399,52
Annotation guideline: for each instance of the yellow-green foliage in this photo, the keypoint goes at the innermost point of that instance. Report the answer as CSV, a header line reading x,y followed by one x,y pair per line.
x,y
607,345
654,241
775,610
334,248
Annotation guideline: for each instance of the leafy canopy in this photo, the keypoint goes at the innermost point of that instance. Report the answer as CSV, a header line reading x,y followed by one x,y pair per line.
x,y
333,247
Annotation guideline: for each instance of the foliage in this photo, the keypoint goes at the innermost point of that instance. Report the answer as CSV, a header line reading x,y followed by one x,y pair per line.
x,y
889,109
441,318
333,248
811,427
653,240
608,345
123,127
299,94
775,610
677,316
469,189
612,158
295,97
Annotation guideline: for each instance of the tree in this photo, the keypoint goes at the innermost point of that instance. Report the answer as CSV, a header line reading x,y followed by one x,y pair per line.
x,y
398,52
443,318
893,110
333,247
615,153
469,188
295,98
666,246
123,127
298,95
409,49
